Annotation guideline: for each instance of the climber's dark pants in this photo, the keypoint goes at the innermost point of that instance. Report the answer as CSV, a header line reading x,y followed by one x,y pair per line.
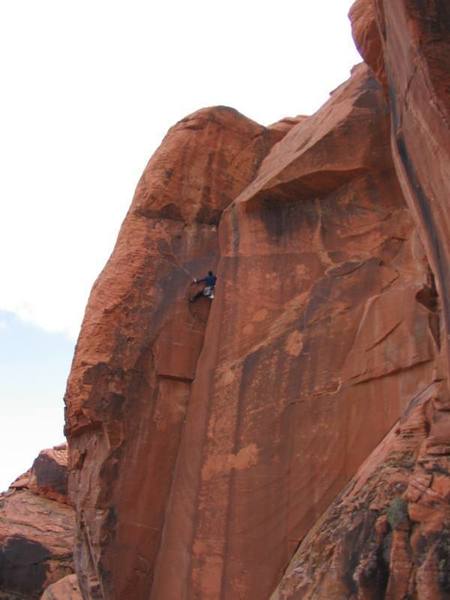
x,y
197,296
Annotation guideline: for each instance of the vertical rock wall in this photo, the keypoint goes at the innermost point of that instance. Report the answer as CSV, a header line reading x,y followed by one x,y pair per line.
x,y
408,45
205,490
205,445
137,352
388,534
308,357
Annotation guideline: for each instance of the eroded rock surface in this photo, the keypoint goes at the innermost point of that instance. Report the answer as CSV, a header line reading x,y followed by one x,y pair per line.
x,y
199,457
136,356
65,589
413,45
48,475
36,529
388,535
308,358
207,444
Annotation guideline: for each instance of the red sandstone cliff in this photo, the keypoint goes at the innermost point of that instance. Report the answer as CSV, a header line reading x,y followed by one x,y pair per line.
x,y
320,266
36,528
388,534
207,444
137,353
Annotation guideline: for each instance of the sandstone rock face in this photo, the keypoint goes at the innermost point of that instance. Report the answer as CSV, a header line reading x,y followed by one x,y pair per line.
x,y
387,535
65,589
366,33
280,128
137,353
48,475
205,443
308,358
414,47
208,444
36,531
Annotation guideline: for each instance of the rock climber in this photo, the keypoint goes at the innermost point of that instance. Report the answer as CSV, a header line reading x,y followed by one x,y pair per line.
x,y
208,290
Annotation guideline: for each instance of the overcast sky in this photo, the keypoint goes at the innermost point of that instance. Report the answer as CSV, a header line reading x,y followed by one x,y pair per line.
x,y
89,88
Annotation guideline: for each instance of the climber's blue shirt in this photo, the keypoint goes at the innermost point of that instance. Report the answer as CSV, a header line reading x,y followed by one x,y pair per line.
x,y
209,280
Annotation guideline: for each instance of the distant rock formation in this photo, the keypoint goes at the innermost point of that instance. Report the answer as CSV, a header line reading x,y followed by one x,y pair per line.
x,y
291,440
48,476
36,528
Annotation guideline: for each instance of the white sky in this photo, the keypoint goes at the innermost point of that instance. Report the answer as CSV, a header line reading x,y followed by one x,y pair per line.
x,y
88,90
33,368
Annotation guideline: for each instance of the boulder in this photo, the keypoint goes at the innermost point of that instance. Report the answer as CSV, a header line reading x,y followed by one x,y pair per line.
x,y
48,476
65,589
36,529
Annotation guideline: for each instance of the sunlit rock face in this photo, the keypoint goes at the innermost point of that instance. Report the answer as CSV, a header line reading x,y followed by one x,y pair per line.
x,y
291,438
36,528
388,533
408,43
136,357
308,357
